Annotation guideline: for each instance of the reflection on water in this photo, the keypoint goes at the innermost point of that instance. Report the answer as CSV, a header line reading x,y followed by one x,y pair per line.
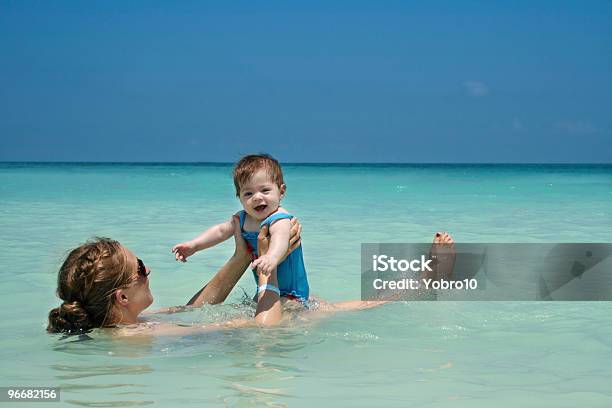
x,y
441,349
95,391
109,403
267,366
431,354
103,342
89,376
76,372
247,365
260,366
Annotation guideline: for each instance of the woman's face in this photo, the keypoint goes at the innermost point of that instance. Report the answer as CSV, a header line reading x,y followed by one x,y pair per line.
x,y
138,293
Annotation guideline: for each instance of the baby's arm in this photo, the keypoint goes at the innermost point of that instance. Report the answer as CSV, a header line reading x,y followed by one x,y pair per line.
x,y
280,232
209,238
214,235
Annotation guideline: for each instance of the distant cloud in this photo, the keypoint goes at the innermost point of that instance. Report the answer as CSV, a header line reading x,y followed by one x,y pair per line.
x,y
517,124
577,127
476,88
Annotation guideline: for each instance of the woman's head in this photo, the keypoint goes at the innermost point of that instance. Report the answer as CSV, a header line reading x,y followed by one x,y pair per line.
x,y
101,284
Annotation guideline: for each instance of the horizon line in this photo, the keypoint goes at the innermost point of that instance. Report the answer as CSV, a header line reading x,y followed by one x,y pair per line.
x,y
299,163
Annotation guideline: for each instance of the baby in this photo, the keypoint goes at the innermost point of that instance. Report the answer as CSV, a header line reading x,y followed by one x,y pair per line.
x,y
260,188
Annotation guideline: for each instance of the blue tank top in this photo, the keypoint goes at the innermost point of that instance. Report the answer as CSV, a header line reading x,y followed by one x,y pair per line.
x,y
291,272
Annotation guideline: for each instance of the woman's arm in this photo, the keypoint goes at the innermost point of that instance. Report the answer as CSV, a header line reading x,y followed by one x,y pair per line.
x,y
145,334
220,286
279,244
269,310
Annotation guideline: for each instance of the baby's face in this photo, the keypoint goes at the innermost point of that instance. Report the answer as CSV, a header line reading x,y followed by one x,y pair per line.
x,y
260,196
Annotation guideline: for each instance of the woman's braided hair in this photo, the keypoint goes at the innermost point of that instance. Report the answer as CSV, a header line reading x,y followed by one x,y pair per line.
x,y
86,282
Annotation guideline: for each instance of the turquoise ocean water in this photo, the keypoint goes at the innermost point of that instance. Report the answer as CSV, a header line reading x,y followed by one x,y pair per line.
x,y
427,354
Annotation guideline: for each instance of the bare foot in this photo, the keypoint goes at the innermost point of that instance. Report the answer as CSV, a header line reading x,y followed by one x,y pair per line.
x,y
443,253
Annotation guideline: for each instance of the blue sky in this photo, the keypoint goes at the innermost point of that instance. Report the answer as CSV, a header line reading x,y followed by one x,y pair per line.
x,y
441,81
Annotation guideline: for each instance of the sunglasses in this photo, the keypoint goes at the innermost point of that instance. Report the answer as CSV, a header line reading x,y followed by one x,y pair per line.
x,y
142,269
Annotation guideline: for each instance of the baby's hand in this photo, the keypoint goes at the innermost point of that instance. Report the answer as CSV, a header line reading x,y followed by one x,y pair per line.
x,y
265,264
183,250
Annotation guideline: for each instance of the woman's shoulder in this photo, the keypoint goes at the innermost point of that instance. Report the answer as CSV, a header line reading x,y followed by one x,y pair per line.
x,y
134,329
157,328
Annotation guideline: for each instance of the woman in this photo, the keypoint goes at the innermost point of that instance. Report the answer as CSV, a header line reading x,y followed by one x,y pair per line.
x,y
103,284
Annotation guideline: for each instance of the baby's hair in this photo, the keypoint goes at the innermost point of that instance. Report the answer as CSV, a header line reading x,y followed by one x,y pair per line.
x,y
249,165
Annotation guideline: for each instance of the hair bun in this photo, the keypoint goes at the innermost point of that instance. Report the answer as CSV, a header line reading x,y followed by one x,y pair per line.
x,y
70,317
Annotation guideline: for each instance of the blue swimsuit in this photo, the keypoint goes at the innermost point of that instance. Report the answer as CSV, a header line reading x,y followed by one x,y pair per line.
x,y
291,273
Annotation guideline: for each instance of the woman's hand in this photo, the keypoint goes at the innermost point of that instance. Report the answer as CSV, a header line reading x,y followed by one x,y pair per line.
x,y
295,239
241,246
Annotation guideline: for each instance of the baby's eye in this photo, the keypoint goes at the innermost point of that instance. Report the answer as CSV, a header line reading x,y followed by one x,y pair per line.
x,y
248,194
